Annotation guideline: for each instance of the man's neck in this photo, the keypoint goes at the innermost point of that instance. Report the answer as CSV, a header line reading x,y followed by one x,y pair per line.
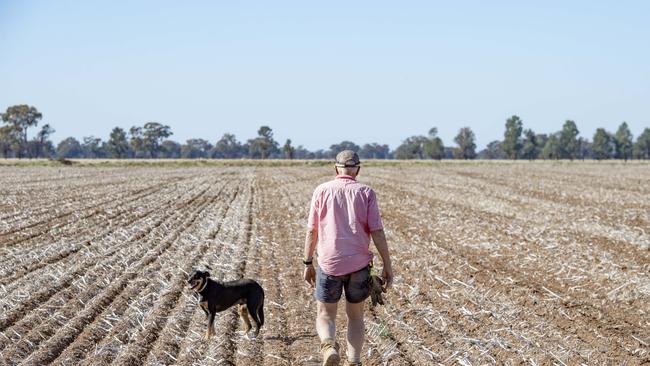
x,y
345,176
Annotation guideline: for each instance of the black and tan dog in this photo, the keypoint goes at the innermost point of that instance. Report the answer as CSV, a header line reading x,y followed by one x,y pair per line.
x,y
215,296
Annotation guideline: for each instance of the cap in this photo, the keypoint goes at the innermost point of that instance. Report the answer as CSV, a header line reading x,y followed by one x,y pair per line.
x,y
347,158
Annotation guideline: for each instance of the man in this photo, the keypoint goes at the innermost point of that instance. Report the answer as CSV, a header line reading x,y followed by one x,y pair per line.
x,y
342,218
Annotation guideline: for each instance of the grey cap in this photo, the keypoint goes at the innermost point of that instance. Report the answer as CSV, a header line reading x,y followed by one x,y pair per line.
x,y
347,159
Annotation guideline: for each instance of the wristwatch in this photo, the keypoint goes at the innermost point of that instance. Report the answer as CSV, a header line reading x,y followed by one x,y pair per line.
x,y
308,261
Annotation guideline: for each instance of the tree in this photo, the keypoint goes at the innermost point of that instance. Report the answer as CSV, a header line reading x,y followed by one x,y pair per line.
x,y
136,141
603,145
302,153
343,145
434,148
529,149
21,117
117,145
195,149
92,147
228,148
41,146
540,139
511,145
552,148
623,142
493,150
466,144
153,133
69,148
569,140
374,151
288,150
585,149
411,148
642,145
10,140
263,145
170,149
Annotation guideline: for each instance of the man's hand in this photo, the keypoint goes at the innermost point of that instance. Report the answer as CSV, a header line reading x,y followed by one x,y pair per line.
x,y
310,275
387,276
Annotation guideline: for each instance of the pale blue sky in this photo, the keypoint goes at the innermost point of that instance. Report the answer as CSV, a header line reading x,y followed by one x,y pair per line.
x,y
319,73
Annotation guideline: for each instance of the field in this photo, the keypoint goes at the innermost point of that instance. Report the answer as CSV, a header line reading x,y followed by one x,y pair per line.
x,y
506,263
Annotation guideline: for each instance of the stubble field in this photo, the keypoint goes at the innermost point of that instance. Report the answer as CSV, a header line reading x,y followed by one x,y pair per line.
x,y
508,263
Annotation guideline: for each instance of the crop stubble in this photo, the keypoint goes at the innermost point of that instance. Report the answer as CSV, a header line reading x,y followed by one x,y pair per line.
x,y
496,263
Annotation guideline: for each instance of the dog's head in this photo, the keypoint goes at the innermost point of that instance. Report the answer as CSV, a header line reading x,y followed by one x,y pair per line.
x,y
197,279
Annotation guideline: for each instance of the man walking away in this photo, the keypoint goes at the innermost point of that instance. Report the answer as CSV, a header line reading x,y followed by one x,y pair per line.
x,y
343,216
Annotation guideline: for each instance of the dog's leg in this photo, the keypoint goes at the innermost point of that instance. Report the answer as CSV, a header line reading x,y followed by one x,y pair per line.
x,y
204,306
254,309
210,331
243,314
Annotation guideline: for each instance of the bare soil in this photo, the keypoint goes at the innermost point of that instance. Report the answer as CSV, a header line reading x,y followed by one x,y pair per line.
x,y
510,263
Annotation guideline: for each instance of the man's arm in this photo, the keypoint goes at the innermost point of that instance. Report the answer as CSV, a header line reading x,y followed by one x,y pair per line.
x,y
309,275
379,238
310,242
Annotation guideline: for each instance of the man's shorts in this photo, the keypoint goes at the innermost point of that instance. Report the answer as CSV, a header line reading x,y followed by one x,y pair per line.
x,y
329,288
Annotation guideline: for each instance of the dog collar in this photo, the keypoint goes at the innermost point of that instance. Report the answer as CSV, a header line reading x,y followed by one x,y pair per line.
x,y
205,283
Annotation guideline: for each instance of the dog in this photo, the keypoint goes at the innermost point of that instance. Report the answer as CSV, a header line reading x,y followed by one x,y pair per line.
x,y
215,296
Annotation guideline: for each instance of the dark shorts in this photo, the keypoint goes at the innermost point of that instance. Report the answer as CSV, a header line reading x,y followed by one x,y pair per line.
x,y
329,288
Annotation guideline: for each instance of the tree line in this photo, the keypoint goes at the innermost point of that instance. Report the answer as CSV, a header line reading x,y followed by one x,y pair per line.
x,y
151,141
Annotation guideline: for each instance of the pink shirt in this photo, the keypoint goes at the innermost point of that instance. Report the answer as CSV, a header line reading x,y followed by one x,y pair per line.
x,y
345,212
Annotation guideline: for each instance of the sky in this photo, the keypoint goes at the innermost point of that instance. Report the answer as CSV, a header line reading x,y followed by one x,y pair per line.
x,y
323,72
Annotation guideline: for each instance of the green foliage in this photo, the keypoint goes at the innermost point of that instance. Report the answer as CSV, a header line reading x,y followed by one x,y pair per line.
x,y
10,140
552,148
466,144
585,149
411,148
421,147
623,142
434,148
117,146
41,146
170,150
153,133
136,142
343,145
264,145
195,149
603,144
569,140
511,145
228,148
69,148
374,151
288,150
93,148
493,150
529,147
642,145
21,117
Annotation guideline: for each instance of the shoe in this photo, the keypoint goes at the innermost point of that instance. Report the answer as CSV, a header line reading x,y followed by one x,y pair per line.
x,y
354,363
329,349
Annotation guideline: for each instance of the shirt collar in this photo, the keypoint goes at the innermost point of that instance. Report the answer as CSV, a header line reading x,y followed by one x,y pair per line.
x,y
343,176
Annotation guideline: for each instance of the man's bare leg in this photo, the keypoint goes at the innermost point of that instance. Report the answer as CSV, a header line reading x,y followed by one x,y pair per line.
x,y
356,330
326,328
326,320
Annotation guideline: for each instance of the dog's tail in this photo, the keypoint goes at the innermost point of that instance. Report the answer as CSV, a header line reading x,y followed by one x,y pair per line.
x,y
256,309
